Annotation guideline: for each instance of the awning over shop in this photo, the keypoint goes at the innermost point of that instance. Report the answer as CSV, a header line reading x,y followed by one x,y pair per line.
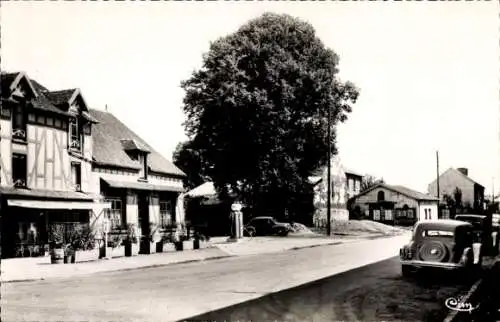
x,y
141,186
47,194
204,190
46,204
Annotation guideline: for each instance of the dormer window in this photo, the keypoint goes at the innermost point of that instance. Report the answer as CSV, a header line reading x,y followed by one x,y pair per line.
x,y
75,135
137,151
143,161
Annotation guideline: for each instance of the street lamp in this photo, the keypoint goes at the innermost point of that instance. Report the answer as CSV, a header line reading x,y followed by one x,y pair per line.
x,y
329,174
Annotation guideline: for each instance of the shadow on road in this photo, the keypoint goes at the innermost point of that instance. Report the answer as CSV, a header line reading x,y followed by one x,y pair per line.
x,y
371,293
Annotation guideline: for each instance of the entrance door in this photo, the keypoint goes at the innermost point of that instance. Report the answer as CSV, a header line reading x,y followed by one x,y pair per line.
x,y
143,209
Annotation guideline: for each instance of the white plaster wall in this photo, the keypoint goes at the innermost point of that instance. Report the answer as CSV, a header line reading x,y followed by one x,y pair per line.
x,y
5,152
421,211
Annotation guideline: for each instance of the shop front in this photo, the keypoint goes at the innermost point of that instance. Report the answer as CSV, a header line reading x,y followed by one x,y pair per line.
x,y
28,218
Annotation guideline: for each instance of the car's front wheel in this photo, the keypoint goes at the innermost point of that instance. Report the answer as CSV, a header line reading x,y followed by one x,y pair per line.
x,y
250,231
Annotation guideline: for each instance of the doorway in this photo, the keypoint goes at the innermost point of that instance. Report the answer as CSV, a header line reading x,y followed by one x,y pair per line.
x,y
143,218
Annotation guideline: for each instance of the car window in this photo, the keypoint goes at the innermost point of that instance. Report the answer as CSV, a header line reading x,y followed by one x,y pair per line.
x,y
437,233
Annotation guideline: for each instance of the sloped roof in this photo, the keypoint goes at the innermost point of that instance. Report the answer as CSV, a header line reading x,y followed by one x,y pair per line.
x,y
402,190
6,80
466,177
133,145
455,171
60,97
108,148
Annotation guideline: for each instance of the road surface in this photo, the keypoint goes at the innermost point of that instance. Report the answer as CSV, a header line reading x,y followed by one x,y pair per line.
x,y
181,291
372,293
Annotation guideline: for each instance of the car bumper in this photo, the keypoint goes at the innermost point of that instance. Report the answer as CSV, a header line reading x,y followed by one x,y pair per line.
x,y
422,264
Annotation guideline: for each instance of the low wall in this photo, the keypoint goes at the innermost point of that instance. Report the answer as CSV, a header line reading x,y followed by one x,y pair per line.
x,y
320,216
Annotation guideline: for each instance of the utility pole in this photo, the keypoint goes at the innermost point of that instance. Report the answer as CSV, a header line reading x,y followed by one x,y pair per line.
x,y
437,174
329,175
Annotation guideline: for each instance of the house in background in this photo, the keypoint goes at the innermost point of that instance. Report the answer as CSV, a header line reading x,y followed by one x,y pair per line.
x,y
139,183
394,204
354,181
344,185
45,164
451,179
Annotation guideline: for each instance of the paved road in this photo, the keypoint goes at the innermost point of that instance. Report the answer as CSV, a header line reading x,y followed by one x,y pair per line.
x,y
372,293
181,291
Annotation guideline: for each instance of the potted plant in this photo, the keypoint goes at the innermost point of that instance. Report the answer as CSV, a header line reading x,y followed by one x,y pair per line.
x,y
83,243
56,242
130,240
115,241
198,239
178,239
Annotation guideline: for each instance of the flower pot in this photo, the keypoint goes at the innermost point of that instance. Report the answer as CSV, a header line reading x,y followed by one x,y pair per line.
x,y
57,256
159,247
128,249
118,251
169,247
188,245
86,255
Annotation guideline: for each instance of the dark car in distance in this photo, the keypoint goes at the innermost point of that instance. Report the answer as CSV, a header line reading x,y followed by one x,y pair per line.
x,y
483,231
444,244
266,226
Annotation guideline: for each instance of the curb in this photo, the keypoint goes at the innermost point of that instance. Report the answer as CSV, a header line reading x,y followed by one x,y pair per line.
x,y
185,262
119,269
313,246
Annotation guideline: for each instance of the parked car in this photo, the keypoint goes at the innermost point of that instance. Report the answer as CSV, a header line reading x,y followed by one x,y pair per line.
x,y
266,226
442,244
483,231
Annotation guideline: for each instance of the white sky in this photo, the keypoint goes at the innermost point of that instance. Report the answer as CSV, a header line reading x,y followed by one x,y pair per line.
x,y
428,72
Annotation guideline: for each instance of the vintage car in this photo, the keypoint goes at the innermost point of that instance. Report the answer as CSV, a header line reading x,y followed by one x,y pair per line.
x,y
266,226
483,231
443,244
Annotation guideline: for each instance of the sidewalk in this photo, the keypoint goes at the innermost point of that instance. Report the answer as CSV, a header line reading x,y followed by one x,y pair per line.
x,y
39,268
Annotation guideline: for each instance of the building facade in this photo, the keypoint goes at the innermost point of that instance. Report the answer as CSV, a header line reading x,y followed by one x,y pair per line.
x,y
395,205
139,183
52,173
344,185
472,192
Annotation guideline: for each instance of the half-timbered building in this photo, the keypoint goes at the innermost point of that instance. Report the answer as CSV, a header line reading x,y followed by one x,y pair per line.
x,y
64,164
45,163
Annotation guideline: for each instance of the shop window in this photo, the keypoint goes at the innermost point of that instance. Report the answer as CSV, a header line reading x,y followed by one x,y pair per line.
x,y
165,214
116,213
376,215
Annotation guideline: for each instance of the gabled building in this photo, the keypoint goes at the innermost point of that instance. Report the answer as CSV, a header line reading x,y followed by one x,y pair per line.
x,y
139,183
345,184
64,164
45,163
395,204
451,179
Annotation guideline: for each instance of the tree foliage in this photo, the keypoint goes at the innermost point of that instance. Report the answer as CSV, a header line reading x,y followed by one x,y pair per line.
x,y
188,158
257,109
370,181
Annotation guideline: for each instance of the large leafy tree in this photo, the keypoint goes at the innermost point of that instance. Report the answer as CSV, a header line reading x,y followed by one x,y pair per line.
x,y
257,109
370,181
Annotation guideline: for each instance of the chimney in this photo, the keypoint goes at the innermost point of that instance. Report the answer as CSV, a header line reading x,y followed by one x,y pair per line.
x,y
464,171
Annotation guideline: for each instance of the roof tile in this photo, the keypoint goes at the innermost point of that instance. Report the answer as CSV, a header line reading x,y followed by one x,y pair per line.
x,y
108,148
